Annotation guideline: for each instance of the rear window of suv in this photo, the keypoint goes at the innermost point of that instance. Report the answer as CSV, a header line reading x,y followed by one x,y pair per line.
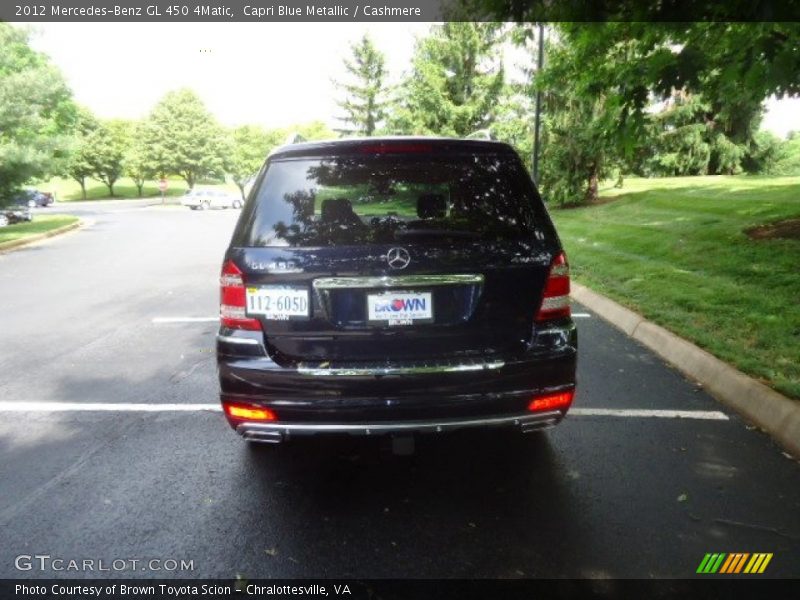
x,y
379,199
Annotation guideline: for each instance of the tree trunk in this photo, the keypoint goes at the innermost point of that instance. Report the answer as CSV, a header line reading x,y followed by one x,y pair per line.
x,y
139,187
83,188
370,129
591,191
111,188
189,180
241,190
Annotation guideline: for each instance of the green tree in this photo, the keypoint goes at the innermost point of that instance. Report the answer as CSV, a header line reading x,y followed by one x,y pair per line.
x,y
735,66
789,161
680,143
727,155
105,151
764,153
365,96
689,140
182,137
514,123
78,165
608,75
137,163
578,148
36,113
455,84
581,142
313,130
250,146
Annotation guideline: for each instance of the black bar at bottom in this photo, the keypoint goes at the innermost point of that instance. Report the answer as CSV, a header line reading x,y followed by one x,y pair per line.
x,y
705,587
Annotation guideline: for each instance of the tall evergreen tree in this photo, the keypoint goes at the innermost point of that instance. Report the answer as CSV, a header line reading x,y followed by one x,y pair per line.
x,y
365,100
455,84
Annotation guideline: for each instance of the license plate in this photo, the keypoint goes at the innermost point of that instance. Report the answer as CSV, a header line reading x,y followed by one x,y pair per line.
x,y
400,308
277,303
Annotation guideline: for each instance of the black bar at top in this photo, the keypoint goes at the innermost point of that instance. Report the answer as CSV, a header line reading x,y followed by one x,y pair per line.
x,y
397,10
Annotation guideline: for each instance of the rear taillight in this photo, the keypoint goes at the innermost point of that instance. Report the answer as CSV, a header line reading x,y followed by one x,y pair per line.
x,y
557,401
249,413
233,298
555,300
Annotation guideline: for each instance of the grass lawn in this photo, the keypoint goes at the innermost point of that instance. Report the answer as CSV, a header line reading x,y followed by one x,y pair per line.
x,y
40,224
67,190
674,250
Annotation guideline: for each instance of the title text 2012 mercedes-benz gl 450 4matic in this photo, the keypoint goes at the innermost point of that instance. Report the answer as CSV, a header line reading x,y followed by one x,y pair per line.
x,y
395,285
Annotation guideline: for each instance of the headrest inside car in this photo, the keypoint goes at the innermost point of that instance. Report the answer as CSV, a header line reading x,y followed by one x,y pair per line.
x,y
337,209
431,206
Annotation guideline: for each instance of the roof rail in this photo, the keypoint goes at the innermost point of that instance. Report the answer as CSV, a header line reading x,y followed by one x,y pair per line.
x,y
294,138
481,134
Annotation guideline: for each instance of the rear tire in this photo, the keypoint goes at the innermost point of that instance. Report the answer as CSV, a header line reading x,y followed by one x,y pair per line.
x,y
237,204
205,206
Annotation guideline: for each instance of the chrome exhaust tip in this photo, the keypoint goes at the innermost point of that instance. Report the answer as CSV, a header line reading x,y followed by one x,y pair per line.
x,y
539,425
260,436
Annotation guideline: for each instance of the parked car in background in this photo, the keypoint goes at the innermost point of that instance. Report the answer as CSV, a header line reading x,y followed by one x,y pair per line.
x,y
19,213
200,199
33,198
18,209
15,213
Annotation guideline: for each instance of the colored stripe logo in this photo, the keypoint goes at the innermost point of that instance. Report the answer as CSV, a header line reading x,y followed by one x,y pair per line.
x,y
734,563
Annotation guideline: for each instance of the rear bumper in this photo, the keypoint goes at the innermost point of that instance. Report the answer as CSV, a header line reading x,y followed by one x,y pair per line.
x,y
275,433
380,398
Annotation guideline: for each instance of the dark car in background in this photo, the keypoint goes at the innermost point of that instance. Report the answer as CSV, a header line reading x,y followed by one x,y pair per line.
x,y
394,286
15,213
33,198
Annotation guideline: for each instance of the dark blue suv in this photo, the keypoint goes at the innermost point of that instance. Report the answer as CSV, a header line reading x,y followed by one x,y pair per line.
x,y
394,285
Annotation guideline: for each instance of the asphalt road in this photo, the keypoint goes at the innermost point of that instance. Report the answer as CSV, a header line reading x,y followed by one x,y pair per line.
x,y
602,495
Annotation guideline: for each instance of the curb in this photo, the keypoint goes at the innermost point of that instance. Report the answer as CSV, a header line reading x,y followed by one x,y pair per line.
x,y
14,244
773,412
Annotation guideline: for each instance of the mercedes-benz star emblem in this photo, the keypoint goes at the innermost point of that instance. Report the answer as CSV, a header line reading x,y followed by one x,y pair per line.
x,y
398,258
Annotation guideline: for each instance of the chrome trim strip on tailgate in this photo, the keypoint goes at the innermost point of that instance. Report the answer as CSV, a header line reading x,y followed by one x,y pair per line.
x,y
328,283
270,431
399,370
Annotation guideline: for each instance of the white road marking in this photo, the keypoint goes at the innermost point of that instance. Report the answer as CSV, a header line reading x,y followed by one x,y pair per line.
x,y
581,315
103,407
22,406
708,415
185,319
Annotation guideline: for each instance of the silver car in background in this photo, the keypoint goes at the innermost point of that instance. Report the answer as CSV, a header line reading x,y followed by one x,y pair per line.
x,y
200,199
